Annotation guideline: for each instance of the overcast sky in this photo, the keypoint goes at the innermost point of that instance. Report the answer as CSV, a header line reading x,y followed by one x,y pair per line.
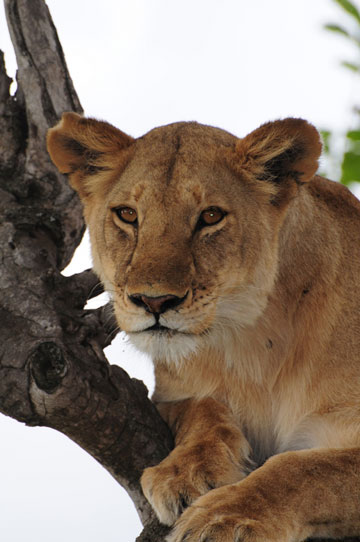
x,y
138,64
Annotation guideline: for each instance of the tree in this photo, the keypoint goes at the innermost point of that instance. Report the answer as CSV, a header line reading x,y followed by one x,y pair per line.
x,y
350,160
56,374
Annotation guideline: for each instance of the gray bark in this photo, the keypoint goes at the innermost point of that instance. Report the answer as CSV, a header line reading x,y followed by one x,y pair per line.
x,y
52,368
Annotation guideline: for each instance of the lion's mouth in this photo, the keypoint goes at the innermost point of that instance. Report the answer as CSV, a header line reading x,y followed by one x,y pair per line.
x,y
158,327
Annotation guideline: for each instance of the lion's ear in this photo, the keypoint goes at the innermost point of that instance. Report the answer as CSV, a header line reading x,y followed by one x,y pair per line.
x,y
83,147
279,150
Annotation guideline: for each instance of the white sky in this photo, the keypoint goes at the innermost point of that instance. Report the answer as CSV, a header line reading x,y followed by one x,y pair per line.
x,y
138,64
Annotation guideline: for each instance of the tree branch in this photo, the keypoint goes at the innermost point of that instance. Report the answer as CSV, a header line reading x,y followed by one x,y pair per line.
x,y
52,368
45,91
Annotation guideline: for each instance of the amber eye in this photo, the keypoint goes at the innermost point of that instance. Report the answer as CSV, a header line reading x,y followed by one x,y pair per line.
x,y
211,216
126,214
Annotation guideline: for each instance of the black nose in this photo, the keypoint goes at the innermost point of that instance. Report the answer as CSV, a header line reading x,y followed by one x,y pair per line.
x,y
157,305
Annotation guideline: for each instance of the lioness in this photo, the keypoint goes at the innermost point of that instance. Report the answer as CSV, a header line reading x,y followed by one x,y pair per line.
x,y
238,270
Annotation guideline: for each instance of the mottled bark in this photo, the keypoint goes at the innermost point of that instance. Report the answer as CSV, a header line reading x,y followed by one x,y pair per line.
x,y
52,368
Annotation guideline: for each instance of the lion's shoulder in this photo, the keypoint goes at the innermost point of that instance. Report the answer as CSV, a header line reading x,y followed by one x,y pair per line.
x,y
336,196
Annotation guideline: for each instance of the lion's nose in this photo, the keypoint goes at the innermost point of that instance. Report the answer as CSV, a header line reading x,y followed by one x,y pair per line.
x,y
157,305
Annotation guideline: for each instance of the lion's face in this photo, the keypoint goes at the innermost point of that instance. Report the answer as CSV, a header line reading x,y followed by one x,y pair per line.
x,y
184,223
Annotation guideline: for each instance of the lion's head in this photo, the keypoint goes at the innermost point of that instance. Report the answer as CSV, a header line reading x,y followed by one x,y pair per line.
x,y
184,222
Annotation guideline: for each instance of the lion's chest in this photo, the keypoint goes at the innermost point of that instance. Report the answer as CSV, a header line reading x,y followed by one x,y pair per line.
x,y
272,421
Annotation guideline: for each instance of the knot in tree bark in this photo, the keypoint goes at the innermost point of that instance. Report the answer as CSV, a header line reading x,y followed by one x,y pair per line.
x,y
48,366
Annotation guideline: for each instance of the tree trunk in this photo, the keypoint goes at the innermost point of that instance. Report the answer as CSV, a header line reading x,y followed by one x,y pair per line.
x,y
52,368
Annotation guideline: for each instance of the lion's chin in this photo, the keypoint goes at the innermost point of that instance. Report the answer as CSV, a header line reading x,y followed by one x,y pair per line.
x,y
166,345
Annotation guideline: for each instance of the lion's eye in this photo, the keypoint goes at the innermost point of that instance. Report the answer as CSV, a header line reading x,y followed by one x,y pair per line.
x,y
211,216
126,214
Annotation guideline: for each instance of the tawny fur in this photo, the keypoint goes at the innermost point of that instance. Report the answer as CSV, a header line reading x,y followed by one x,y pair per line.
x,y
258,372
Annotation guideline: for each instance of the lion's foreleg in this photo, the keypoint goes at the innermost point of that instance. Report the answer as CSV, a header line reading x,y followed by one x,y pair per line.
x,y
293,496
210,451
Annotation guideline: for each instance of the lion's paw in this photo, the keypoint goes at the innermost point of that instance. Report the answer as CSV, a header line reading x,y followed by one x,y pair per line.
x,y
223,516
204,527
185,475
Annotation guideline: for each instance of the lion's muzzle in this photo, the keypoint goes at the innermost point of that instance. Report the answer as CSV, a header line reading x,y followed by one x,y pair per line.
x,y
159,304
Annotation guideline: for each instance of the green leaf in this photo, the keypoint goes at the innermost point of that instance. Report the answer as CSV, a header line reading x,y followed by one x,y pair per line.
x,y
326,135
354,135
350,8
336,28
350,168
351,66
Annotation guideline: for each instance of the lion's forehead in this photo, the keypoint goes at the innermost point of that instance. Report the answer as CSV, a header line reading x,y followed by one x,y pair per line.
x,y
186,133
179,164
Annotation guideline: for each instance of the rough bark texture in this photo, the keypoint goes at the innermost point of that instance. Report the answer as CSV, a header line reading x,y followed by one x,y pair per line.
x,y
52,368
